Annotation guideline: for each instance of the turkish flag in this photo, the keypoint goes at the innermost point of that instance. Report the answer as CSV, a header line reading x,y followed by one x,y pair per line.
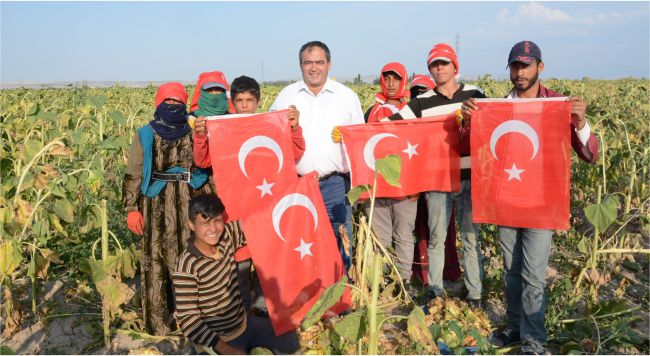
x,y
295,253
521,162
428,148
251,158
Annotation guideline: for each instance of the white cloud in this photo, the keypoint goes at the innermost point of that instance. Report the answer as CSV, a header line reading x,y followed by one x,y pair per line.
x,y
532,11
611,17
539,13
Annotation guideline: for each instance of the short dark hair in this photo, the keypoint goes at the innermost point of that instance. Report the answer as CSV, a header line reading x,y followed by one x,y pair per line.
x,y
208,205
245,84
312,44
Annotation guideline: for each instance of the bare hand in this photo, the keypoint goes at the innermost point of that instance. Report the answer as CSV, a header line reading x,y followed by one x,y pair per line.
x,y
223,348
294,116
199,126
467,108
578,110
336,135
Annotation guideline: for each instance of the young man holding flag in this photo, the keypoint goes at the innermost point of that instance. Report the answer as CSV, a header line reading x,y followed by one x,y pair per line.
x,y
445,98
394,218
526,250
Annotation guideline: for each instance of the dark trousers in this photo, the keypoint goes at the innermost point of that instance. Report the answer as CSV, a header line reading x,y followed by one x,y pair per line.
x,y
259,333
339,211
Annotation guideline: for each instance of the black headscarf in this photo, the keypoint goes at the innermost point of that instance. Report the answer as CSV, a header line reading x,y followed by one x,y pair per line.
x,y
170,121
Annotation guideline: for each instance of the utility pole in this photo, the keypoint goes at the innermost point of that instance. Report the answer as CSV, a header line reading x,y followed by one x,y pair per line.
x,y
457,43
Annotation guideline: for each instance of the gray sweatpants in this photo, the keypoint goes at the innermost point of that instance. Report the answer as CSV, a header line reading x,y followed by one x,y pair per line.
x,y
393,221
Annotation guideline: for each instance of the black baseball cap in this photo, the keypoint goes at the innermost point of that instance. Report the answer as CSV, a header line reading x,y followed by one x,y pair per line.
x,y
525,52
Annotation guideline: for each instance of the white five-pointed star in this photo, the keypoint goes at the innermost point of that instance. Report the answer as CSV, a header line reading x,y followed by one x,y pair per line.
x,y
411,149
514,173
304,248
265,188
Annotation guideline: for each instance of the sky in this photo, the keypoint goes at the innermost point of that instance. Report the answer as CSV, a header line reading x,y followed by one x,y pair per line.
x,y
47,42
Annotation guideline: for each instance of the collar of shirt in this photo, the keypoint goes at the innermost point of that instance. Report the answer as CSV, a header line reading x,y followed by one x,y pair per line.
x,y
327,87
221,248
457,92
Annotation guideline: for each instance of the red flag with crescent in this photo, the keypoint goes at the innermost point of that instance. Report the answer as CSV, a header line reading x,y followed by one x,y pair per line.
x,y
521,162
251,158
295,253
428,148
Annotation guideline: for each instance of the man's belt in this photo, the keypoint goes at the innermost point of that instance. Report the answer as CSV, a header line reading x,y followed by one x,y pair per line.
x,y
172,177
332,174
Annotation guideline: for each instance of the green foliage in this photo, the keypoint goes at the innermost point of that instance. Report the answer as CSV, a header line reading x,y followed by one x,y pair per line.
x,y
64,209
115,293
117,117
355,192
330,296
352,327
604,214
10,257
6,350
418,331
390,168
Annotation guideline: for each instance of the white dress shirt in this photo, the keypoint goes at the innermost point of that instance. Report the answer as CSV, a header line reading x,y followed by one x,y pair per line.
x,y
335,105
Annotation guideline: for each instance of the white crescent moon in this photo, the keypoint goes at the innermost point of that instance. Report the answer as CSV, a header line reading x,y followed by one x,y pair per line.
x,y
514,126
255,142
288,201
369,148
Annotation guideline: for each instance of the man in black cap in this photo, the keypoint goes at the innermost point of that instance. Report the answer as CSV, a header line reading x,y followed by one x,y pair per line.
x,y
526,251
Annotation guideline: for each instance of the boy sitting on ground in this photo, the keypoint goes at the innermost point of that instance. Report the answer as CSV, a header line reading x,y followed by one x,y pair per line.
x,y
209,308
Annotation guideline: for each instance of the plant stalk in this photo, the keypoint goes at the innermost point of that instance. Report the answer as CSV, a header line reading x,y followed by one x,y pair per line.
x,y
373,327
106,316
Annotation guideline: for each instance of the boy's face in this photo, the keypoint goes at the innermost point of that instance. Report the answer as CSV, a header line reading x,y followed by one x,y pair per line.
x,y
207,231
442,72
393,83
245,103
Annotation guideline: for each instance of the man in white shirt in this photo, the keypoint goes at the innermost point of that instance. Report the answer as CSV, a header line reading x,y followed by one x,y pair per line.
x,y
324,104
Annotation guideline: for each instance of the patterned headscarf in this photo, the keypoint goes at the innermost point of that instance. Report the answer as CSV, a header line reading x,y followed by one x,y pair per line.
x,y
381,108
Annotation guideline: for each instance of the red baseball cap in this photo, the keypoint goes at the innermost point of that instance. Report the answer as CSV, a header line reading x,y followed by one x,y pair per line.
x,y
421,80
443,52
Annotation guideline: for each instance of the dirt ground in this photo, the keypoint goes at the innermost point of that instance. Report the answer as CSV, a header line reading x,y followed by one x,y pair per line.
x,y
71,328
73,324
